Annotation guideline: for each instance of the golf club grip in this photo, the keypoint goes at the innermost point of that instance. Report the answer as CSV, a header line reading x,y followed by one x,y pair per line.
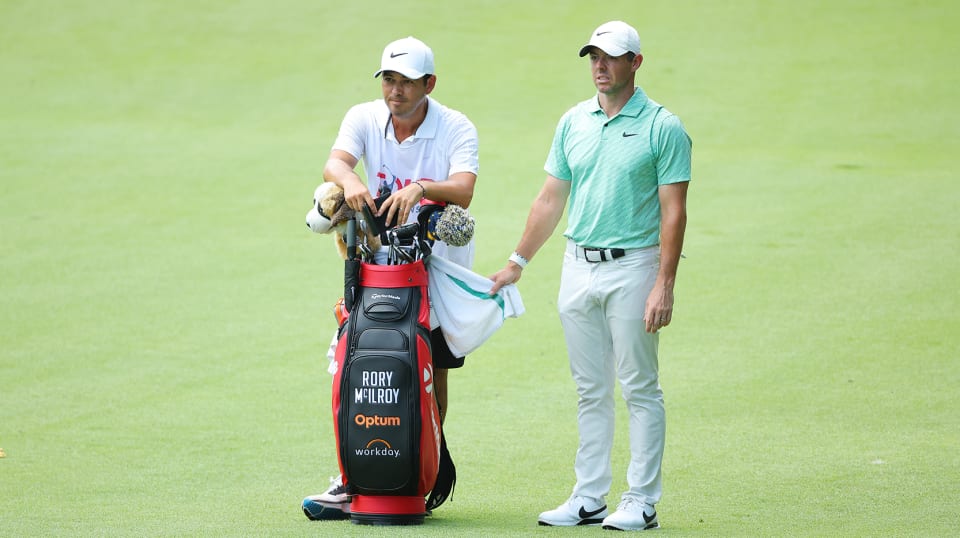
x,y
406,231
372,223
351,239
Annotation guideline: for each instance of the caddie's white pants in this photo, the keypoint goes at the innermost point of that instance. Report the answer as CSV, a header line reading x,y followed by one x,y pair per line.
x,y
601,308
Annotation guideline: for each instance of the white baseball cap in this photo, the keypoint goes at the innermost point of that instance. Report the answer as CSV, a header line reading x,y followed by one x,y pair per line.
x,y
409,56
616,38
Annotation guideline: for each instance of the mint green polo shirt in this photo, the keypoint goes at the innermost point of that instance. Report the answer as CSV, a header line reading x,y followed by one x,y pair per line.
x,y
615,166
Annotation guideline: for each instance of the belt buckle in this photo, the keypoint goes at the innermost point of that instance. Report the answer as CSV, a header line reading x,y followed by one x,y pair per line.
x,y
597,251
602,254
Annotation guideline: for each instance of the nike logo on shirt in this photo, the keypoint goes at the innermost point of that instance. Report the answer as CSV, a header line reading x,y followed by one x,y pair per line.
x,y
625,135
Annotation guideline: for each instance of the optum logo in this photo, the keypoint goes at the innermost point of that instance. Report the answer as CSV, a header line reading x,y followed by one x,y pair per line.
x,y
375,420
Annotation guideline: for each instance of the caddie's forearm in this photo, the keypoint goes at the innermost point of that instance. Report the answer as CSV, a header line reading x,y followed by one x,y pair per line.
x,y
340,173
457,189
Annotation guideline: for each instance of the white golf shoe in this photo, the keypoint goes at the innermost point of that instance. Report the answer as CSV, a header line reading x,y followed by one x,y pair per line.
x,y
576,511
632,515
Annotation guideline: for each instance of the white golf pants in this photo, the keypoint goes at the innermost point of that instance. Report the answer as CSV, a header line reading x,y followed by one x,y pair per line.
x,y
601,308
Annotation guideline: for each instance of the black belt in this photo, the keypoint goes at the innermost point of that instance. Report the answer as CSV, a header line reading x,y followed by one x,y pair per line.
x,y
597,255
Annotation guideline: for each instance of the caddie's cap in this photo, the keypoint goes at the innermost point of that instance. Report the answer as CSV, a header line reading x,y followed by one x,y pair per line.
x,y
409,56
616,38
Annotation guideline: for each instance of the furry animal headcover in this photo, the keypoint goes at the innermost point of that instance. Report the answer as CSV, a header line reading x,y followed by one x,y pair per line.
x,y
330,213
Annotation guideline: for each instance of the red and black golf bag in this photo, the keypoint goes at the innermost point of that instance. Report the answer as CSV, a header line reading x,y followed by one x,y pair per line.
x,y
386,419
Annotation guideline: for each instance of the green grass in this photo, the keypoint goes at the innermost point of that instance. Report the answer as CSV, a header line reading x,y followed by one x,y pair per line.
x,y
165,312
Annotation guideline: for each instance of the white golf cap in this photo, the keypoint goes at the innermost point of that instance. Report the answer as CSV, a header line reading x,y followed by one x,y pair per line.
x,y
616,38
409,56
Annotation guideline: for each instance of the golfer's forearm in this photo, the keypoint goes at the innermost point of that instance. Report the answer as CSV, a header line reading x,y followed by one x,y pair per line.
x,y
671,244
542,221
673,223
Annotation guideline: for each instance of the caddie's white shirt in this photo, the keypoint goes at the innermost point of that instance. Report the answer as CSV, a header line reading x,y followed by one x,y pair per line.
x,y
446,143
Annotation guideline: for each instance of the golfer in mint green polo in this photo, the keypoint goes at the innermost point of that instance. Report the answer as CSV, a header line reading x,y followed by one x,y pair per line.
x,y
623,163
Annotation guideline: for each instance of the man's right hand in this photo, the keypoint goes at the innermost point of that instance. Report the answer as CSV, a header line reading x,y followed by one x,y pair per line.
x,y
356,195
510,274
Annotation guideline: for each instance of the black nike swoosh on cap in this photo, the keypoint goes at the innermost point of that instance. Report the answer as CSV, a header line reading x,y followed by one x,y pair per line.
x,y
395,54
601,33
586,515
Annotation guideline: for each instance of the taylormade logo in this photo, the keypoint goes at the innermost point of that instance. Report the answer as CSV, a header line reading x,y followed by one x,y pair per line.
x,y
384,296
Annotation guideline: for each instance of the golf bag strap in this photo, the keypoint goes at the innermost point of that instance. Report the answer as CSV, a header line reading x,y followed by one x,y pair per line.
x,y
446,478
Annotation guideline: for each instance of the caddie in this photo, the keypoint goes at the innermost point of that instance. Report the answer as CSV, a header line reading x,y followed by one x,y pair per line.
x,y
413,148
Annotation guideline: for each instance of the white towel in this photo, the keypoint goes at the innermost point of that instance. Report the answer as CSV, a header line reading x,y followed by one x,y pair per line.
x,y
466,312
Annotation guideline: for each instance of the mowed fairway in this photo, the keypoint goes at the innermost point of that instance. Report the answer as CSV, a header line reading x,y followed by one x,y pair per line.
x,y
164,312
